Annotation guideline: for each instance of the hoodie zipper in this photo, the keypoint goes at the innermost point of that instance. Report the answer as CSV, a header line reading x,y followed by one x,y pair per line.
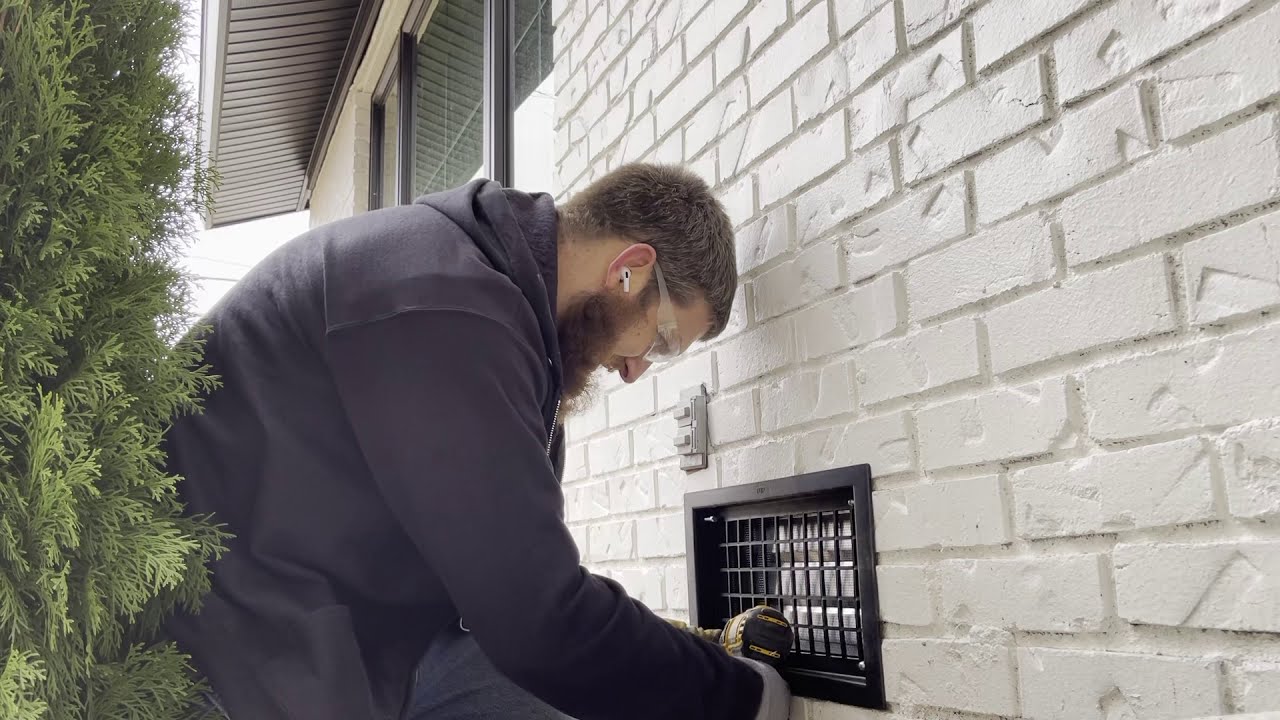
x,y
555,421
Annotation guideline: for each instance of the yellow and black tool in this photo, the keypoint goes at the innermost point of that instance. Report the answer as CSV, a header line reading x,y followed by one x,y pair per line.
x,y
760,633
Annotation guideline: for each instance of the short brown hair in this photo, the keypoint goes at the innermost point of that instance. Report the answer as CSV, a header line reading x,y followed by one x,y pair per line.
x,y
673,210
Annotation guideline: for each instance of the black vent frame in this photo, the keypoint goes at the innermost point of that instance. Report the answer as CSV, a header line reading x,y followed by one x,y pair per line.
x,y
805,545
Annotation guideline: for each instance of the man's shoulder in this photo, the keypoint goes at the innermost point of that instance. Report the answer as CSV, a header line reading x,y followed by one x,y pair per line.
x,y
411,258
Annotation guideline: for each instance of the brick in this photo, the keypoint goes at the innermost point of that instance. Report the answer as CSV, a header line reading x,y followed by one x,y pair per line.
x,y
731,418
609,452
633,493
804,41
1146,487
1234,272
927,218
631,402
655,440
704,166
739,199
660,536
883,442
849,13
643,584
1258,687
862,183
1000,259
575,462
904,595
714,117
813,273
1082,146
731,52
1237,69
806,396
763,23
1091,685
955,513
612,541
739,316
588,421
871,46
1203,385
1251,466
1122,303
923,360
925,18
764,130
714,19
766,238
1176,190
1001,424
1002,27
657,77
1056,593
973,121
1222,585
1128,35
669,151
908,92
806,157
770,461
673,483
854,318
758,352
586,502
951,674
676,580
638,139
690,372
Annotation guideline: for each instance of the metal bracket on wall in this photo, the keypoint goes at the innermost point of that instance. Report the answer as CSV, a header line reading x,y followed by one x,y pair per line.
x,y
691,429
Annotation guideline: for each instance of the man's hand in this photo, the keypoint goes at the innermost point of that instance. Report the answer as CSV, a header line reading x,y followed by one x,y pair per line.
x,y
762,638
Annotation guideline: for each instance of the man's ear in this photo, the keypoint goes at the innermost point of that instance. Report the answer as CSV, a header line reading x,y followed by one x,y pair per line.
x,y
637,261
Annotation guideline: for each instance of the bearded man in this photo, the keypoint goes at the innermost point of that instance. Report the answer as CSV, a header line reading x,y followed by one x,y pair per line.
x,y
386,448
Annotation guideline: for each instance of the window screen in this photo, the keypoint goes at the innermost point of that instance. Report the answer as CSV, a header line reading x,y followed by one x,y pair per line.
x,y
803,545
448,98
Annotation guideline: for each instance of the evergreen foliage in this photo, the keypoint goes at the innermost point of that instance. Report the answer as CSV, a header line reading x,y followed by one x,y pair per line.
x,y
100,178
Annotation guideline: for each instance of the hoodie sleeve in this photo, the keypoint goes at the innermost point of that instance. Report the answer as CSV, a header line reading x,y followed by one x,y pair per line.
x,y
445,405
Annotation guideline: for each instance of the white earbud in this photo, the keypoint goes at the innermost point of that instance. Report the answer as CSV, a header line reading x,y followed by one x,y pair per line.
x,y
626,279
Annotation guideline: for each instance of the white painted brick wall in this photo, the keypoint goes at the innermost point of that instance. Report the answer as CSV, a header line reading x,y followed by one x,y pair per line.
x,y
905,597
1251,464
1224,585
955,513
1126,35
967,676
1080,147
976,119
923,360
1006,257
1004,424
1180,188
1121,303
1062,593
1234,272
1087,685
1151,486
1022,259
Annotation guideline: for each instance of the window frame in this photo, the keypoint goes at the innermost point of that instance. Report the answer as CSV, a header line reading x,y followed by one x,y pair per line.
x,y
498,99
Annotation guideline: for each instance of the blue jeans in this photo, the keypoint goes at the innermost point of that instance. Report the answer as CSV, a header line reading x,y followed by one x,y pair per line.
x,y
455,681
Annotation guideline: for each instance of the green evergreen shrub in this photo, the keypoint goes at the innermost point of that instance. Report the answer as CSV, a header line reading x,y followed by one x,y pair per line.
x,y
100,179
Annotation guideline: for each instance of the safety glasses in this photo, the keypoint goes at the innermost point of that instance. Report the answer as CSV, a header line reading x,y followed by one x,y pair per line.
x,y
667,345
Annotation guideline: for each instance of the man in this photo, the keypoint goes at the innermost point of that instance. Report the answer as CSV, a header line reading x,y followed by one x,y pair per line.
x,y
387,444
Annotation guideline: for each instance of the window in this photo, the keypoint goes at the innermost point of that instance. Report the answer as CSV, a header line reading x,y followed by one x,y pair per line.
x,y
470,94
803,545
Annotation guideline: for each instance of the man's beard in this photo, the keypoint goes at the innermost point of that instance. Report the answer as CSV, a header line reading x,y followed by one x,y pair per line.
x,y
588,330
